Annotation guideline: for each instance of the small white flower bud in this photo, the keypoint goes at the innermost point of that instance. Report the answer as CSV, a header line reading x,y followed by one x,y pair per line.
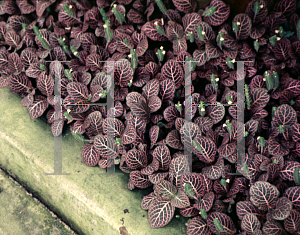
x,y
238,23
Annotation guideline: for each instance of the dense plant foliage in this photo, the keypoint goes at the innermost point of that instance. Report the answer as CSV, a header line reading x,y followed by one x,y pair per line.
x,y
150,41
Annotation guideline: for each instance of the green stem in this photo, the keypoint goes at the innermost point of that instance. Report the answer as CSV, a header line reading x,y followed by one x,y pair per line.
x,y
248,99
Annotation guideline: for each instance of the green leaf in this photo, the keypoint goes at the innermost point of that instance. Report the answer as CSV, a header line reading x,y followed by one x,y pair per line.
x,y
78,136
197,146
188,190
68,10
210,11
161,7
256,8
120,17
203,214
256,45
191,37
273,40
218,225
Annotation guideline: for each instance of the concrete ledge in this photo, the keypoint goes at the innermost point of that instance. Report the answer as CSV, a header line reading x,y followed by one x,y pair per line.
x,y
88,202
21,214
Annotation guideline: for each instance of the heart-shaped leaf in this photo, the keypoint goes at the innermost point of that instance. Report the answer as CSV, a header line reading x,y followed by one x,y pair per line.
x,y
198,226
263,195
283,209
162,155
180,200
250,223
293,194
165,189
225,221
89,155
160,213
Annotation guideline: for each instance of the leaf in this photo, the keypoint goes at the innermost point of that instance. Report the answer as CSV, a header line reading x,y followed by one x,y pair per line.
x,y
287,172
198,226
162,155
250,223
200,57
216,112
139,180
177,167
282,48
260,97
129,135
90,155
293,194
195,181
45,84
206,202
262,13
153,135
272,227
263,195
93,62
244,26
102,146
167,89
38,107
135,159
123,72
245,207
156,178
207,150
135,16
165,189
174,31
284,115
214,172
286,7
173,140
160,213
154,104
147,200
173,71
226,150
180,200
15,64
57,127
205,31
138,105
292,223
190,22
19,83
225,221
220,14
275,148
283,209
189,131
150,31
151,88
12,38
186,6
77,91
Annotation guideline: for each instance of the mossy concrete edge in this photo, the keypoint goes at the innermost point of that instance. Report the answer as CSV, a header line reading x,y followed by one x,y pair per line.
x,y
21,214
90,203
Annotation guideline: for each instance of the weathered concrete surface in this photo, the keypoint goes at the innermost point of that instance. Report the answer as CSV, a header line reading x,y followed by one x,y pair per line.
x,y
88,202
21,214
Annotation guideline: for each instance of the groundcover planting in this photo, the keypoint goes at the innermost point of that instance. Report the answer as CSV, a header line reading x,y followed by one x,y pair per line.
x,y
151,42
